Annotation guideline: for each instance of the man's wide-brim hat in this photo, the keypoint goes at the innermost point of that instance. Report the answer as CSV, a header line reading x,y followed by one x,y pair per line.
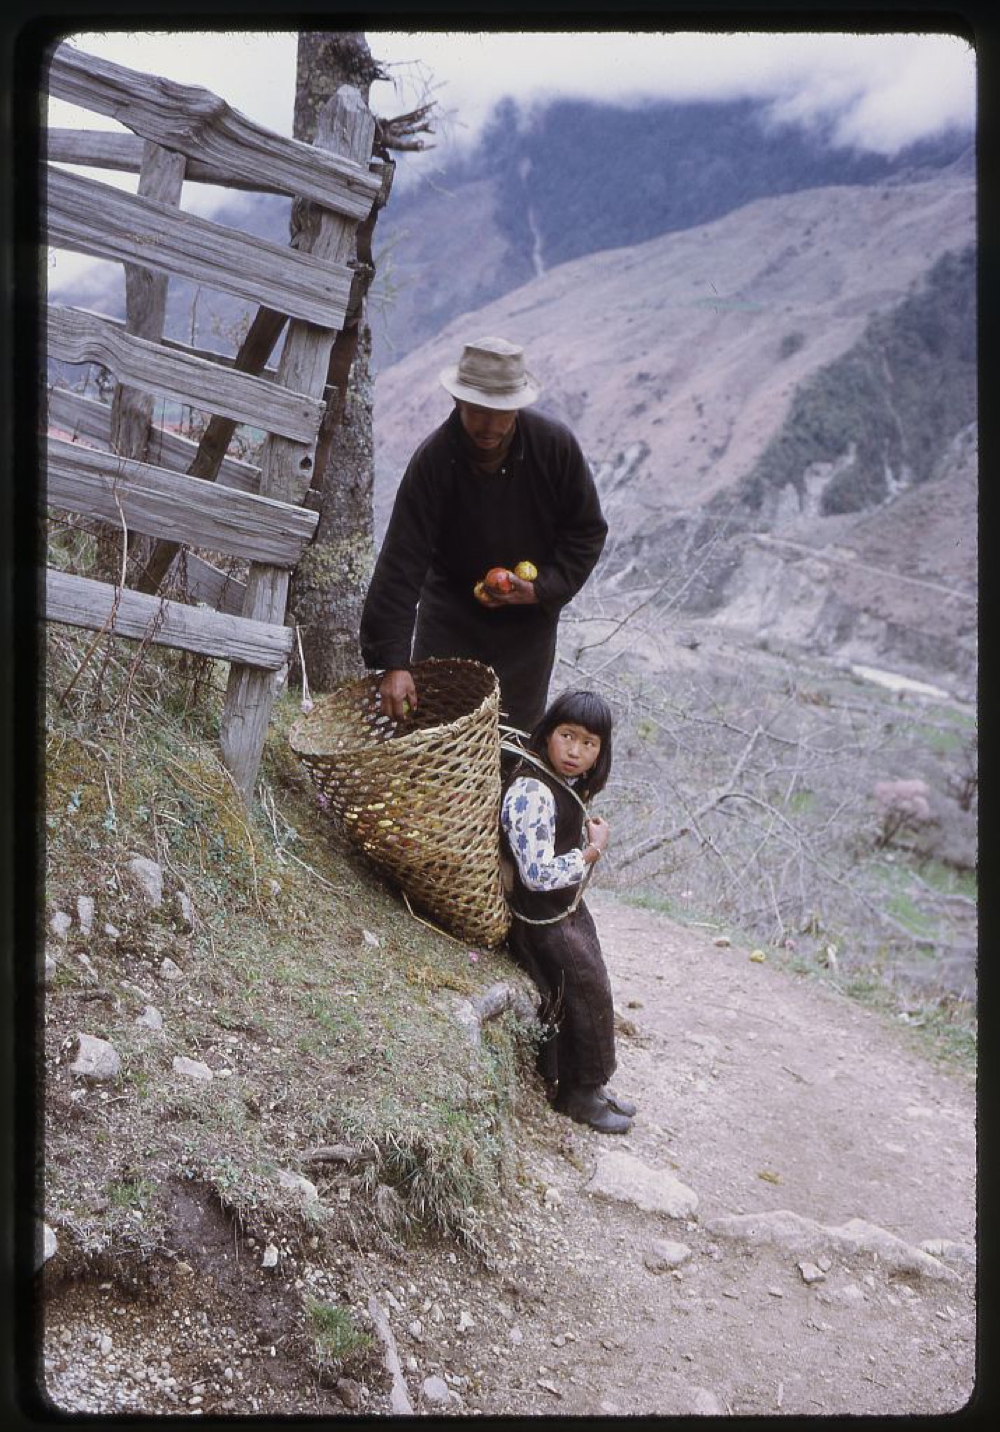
x,y
492,373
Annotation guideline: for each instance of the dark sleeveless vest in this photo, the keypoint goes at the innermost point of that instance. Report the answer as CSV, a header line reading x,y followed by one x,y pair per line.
x,y
544,904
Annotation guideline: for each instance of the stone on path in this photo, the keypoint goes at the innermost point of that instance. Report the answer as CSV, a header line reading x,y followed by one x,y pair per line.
x,y
850,1294
184,911
949,1251
192,1068
49,1247
807,1238
435,1391
623,1178
349,1392
857,1235
298,1183
463,1012
705,1404
84,959
663,1255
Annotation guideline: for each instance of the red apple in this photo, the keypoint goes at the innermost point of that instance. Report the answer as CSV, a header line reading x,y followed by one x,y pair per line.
x,y
499,580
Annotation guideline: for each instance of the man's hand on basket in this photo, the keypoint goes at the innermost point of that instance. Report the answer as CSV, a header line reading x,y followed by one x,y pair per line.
x,y
397,694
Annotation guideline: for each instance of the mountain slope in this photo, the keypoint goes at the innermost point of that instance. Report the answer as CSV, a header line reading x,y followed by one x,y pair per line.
x,y
692,345
573,177
677,362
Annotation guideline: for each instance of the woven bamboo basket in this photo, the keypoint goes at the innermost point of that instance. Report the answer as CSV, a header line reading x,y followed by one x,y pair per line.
x,y
420,796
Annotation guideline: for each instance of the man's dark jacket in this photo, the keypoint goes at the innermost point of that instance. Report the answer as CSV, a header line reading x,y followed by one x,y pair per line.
x,y
451,523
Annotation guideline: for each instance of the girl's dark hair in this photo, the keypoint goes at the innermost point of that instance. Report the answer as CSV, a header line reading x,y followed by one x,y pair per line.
x,y
592,712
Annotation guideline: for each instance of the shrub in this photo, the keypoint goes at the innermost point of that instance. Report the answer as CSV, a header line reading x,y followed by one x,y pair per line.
x,y
791,343
902,805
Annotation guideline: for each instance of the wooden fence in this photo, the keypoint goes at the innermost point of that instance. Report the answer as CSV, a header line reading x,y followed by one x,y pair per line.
x,y
124,468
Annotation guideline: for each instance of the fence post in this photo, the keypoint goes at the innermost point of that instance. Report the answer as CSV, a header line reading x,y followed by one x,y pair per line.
x,y
161,177
346,127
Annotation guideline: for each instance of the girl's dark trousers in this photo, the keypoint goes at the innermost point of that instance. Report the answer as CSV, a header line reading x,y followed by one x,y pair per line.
x,y
577,1011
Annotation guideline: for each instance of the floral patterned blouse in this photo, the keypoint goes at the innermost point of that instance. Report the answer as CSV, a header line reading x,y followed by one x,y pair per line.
x,y
528,817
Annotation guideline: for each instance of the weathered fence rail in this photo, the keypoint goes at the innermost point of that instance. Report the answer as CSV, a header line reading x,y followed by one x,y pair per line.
x,y
99,149
198,124
80,337
113,462
97,219
152,500
81,417
81,601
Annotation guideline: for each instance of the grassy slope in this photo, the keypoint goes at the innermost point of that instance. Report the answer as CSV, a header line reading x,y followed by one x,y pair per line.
x,y
318,1001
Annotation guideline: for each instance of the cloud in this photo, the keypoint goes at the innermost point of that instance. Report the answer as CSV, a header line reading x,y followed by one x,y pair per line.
x,y
877,91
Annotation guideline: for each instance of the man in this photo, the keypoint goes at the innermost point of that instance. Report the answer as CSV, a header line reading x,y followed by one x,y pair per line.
x,y
494,485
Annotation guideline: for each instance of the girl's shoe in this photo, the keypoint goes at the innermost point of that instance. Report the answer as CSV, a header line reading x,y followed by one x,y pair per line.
x,y
588,1106
617,1102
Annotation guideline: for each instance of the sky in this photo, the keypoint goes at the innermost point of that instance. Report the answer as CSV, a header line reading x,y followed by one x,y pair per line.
x,y
879,91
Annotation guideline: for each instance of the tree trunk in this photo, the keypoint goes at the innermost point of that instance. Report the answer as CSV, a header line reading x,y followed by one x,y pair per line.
x,y
330,581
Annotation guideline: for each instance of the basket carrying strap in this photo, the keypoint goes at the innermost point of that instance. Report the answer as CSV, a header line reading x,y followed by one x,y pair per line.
x,y
307,701
506,866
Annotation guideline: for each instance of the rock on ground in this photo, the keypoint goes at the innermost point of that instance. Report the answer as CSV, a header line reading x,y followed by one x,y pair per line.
x,y
96,1060
623,1178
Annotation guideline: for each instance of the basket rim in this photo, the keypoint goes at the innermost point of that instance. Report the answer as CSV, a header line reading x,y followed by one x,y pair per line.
x,y
341,752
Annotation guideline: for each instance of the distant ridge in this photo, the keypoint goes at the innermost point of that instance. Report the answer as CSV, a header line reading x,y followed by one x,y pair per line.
x,y
574,178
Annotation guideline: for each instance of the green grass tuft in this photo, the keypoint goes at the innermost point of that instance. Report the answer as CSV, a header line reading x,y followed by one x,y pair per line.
x,y
337,1339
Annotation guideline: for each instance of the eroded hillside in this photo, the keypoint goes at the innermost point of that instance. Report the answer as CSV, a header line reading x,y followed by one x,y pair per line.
x,y
679,362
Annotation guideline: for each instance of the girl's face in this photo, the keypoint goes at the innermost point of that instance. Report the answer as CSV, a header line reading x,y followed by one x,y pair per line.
x,y
572,750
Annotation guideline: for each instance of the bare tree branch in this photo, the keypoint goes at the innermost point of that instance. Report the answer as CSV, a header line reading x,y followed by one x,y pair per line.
x,y
401,131
716,798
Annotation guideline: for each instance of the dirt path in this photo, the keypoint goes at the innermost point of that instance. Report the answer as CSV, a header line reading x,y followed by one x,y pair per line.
x,y
772,1113
760,1093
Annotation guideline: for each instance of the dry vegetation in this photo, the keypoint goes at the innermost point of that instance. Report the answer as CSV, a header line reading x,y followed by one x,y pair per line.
x,y
744,799
323,1008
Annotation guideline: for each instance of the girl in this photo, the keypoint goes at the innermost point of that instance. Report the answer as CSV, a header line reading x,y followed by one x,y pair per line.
x,y
555,844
